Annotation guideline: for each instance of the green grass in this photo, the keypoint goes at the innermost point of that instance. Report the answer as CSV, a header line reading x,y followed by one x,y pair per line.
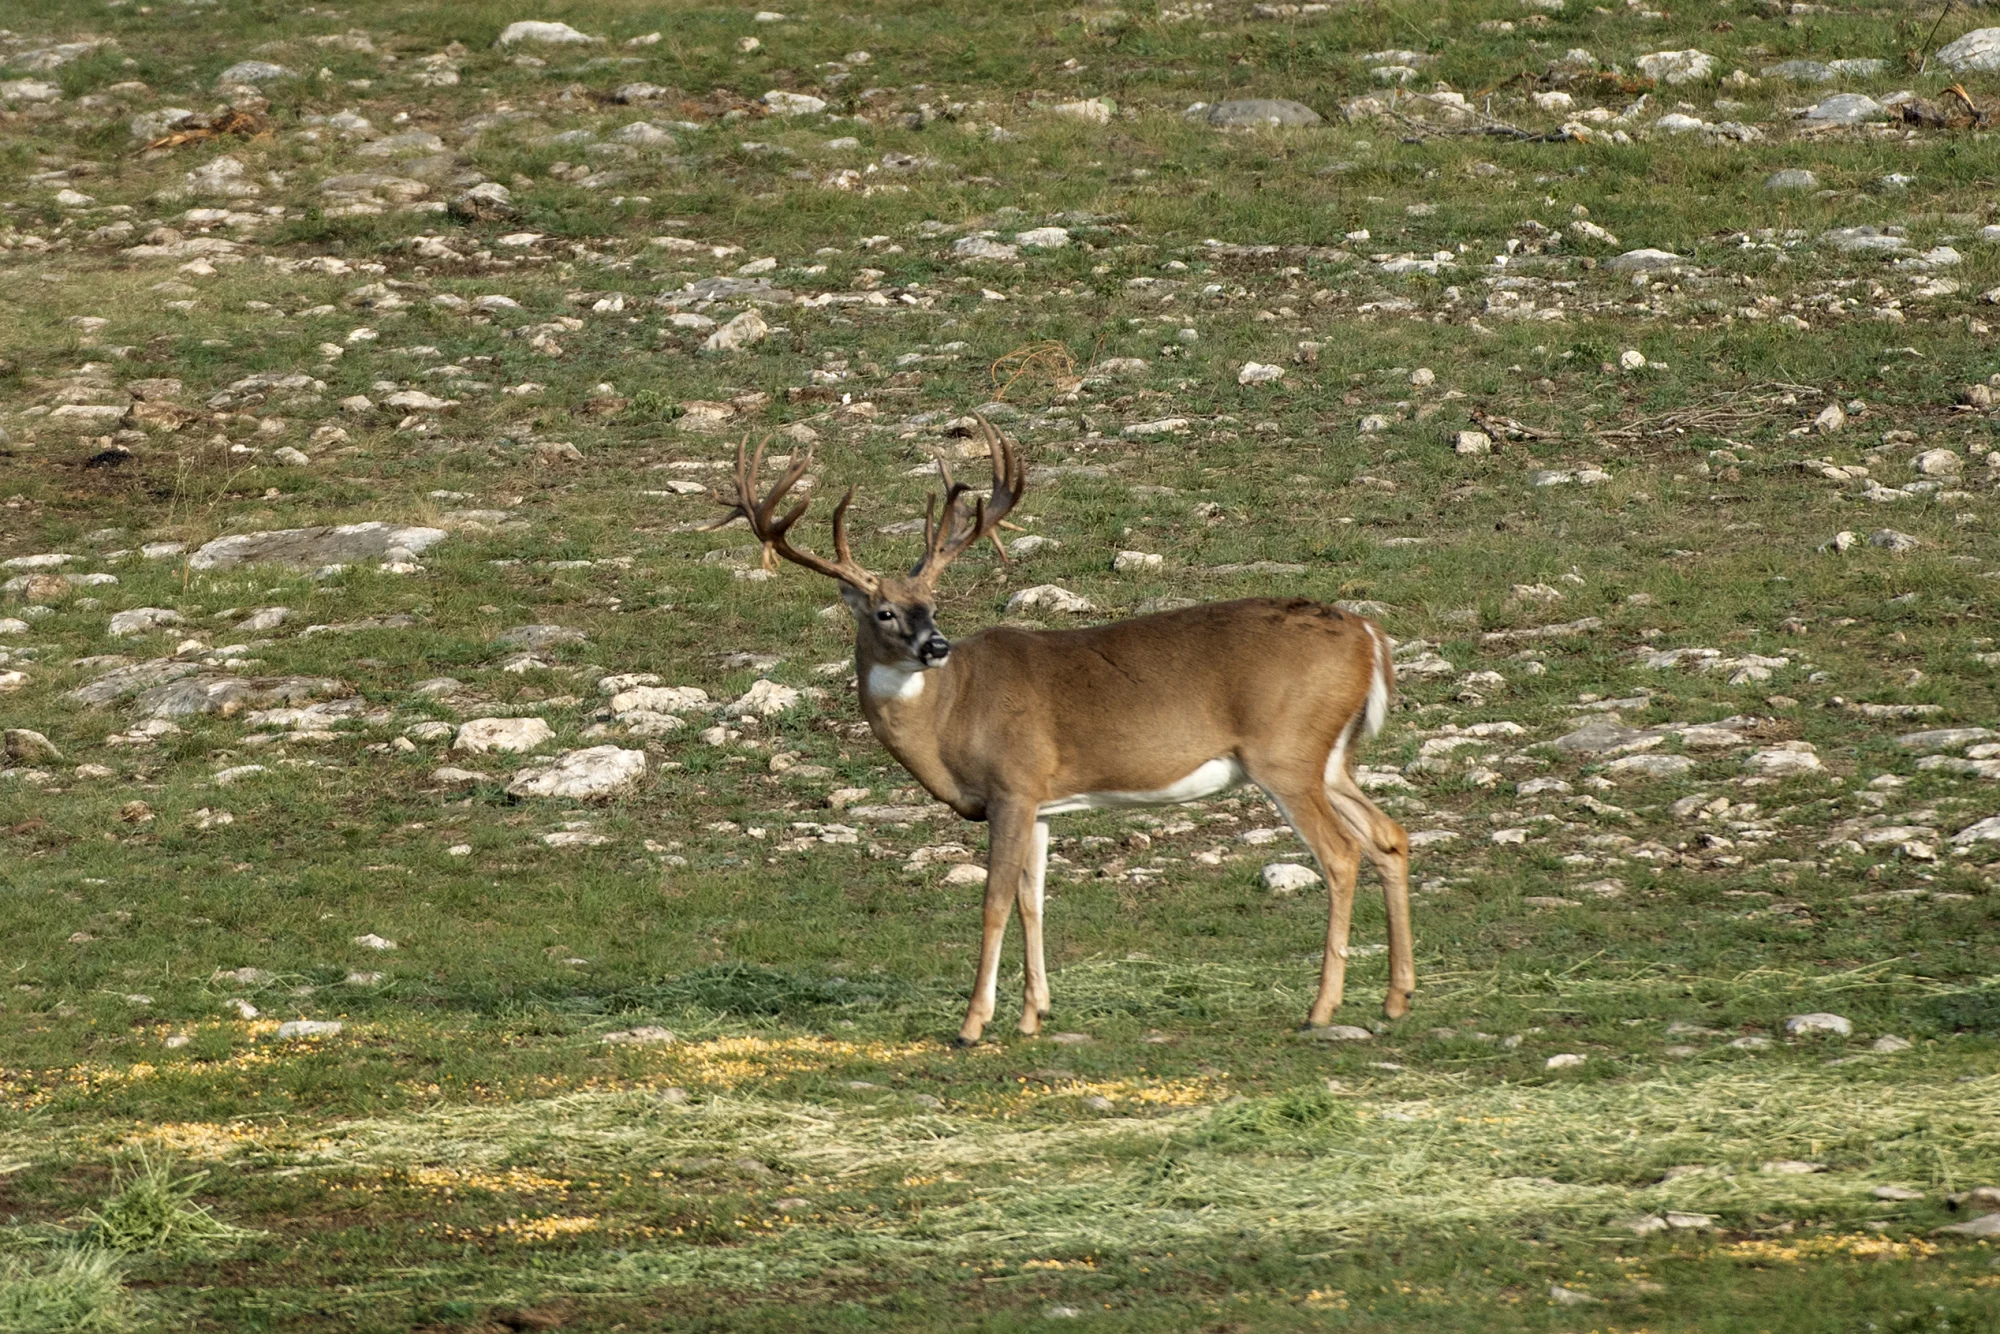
x,y
65,1291
153,1211
468,1152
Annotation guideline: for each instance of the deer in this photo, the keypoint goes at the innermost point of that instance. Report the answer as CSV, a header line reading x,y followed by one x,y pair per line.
x,y
1011,725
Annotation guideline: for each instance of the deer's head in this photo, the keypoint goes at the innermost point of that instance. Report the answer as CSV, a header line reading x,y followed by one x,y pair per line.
x,y
894,615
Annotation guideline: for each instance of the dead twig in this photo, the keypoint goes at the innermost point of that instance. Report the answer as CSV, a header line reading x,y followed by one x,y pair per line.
x,y
1527,76
1925,64
1504,428
1489,126
1723,414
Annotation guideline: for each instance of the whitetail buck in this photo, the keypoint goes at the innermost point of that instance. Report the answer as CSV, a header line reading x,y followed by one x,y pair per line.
x,y
1010,725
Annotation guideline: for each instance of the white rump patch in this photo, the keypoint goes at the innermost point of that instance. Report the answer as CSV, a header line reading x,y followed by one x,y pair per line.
x,y
1215,776
885,682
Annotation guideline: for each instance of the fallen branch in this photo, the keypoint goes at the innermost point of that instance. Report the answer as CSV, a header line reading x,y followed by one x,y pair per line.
x,y
1492,126
1721,414
1925,64
1505,428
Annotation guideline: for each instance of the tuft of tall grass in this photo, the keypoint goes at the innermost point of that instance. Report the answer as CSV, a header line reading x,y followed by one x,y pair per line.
x,y
70,1290
154,1212
1296,1114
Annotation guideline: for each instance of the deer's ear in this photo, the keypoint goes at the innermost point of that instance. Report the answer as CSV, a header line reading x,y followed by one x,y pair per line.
x,y
856,600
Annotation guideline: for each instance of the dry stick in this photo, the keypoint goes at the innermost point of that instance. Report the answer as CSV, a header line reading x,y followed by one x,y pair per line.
x,y
1925,63
1492,88
1492,126
1505,428
1729,409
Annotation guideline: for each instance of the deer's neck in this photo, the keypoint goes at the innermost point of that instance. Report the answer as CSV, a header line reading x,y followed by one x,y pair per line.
x,y
909,712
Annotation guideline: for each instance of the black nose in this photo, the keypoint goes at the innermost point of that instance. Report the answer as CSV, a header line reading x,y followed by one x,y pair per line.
x,y
935,649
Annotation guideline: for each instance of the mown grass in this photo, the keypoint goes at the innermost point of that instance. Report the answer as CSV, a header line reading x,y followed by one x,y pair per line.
x,y
65,1291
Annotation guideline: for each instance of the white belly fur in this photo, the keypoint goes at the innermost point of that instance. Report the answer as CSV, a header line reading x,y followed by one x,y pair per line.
x,y
890,683
1213,777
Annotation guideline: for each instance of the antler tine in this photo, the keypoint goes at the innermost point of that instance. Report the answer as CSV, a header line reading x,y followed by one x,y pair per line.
x,y
840,551
781,488
746,479
741,505
1010,474
745,505
937,529
944,543
1009,480
772,529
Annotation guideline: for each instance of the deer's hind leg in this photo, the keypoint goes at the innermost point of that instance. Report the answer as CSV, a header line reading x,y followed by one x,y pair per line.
x,y
1309,812
1385,843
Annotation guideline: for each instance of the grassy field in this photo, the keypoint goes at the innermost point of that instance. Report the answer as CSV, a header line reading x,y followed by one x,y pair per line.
x,y
1689,552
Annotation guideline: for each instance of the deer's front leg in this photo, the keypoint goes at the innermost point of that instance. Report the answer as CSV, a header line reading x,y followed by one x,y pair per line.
x,y
1011,837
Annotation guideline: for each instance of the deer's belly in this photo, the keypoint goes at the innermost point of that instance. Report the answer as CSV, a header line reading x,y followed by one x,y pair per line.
x,y
1211,778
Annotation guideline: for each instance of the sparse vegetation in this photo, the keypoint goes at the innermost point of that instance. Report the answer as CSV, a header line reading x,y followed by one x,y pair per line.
x,y
1674,479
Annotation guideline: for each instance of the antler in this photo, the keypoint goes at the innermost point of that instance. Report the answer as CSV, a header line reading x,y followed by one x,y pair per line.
x,y
946,536
771,529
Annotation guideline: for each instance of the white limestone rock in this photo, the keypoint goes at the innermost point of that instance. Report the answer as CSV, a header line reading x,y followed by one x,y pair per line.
x,y
481,736
595,773
312,548
654,698
1811,1025
1785,759
981,247
1976,50
1677,67
782,103
141,621
547,34
252,71
1289,877
764,699
1047,597
741,332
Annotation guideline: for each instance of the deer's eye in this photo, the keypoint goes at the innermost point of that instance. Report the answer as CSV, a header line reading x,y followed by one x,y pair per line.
x,y
885,615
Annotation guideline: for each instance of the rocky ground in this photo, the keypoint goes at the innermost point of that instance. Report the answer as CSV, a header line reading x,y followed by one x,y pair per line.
x,y
415,822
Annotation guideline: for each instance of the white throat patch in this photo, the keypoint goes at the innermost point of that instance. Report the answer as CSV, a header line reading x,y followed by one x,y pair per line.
x,y
886,682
